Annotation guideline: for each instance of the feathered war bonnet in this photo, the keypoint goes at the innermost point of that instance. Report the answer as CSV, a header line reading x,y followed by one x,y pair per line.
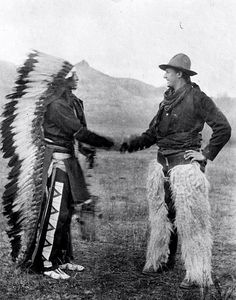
x,y
22,144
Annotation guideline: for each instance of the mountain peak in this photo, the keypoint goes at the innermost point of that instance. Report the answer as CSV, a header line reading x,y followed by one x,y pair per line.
x,y
83,63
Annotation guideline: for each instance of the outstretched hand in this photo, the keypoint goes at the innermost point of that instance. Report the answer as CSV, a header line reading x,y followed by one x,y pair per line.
x,y
126,144
120,145
124,147
130,144
116,146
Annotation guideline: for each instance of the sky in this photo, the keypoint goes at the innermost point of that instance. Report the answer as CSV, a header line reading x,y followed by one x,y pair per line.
x,y
127,38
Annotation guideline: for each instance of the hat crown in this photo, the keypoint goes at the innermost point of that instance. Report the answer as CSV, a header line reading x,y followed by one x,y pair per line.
x,y
181,61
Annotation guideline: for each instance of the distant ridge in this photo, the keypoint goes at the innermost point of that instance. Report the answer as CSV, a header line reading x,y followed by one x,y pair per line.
x,y
116,105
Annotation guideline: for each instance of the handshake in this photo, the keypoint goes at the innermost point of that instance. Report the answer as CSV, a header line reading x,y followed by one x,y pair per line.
x,y
127,144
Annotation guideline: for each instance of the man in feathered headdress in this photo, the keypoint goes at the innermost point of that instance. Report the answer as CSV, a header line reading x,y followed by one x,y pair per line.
x,y
42,121
177,188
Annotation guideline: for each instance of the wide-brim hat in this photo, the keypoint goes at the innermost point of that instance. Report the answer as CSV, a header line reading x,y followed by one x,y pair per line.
x,y
180,62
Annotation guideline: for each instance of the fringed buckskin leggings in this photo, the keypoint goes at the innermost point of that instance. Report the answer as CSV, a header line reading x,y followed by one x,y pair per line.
x,y
54,245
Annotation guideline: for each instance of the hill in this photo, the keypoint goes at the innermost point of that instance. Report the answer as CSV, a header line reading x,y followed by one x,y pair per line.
x,y
116,105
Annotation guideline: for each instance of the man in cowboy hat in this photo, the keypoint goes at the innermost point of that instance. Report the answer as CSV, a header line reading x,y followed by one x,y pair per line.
x,y
177,188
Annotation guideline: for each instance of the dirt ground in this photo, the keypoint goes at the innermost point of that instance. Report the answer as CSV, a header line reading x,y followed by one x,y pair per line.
x,y
115,259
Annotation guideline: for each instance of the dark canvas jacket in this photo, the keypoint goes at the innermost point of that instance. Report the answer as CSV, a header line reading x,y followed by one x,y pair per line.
x,y
180,129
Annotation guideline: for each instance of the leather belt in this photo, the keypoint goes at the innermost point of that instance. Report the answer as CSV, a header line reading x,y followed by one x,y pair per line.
x,y
57,148
172,160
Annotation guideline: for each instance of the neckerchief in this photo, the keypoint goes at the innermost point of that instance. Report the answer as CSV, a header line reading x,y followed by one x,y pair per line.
x,y
171,99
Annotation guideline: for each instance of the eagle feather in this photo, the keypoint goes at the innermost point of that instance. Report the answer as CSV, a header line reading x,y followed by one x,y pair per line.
x,y
22,144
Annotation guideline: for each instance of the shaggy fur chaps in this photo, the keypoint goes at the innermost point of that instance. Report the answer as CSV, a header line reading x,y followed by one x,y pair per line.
x,y
160,226
190,195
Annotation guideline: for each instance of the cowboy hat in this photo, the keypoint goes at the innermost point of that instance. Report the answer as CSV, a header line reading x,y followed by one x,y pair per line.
x,y
181,62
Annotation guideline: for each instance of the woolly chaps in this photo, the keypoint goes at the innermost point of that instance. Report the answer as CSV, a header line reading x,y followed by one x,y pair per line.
x,y
160,226
190,195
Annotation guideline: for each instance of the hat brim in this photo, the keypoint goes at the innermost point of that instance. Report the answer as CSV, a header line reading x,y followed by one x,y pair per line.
x,y
188,72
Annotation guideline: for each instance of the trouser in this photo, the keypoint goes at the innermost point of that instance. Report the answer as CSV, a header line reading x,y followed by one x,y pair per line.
x,y
53,245
177,193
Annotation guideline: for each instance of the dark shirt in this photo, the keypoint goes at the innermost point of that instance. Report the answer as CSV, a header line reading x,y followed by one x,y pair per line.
x,y
63,118
180,129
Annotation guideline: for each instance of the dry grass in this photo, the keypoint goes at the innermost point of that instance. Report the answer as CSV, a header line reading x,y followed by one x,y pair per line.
x,y
114,261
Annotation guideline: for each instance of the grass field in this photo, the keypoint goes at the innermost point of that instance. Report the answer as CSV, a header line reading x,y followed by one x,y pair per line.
x,y
115,259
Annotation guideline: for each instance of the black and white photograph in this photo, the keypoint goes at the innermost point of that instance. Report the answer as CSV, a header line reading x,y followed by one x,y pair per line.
x,y
117,150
